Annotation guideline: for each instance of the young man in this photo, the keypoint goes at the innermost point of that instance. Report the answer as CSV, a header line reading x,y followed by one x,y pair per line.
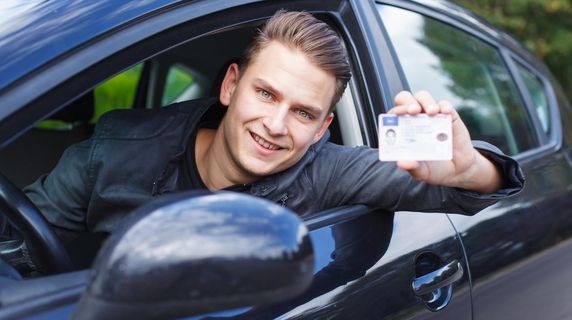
x,y
266,135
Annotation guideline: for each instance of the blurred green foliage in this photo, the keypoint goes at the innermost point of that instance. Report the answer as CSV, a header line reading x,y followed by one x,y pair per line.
x,y
544,26
178,80
117,92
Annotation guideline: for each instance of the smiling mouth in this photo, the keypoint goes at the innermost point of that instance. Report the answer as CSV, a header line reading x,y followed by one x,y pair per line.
x,y
263,143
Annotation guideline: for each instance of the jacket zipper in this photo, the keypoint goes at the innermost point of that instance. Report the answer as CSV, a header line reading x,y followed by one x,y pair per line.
x,y
283,200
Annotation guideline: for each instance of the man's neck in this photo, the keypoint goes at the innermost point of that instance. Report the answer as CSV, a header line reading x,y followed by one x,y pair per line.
x,y
213,163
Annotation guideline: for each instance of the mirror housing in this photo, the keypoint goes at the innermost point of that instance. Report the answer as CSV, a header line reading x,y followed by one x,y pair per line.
x,y
196,252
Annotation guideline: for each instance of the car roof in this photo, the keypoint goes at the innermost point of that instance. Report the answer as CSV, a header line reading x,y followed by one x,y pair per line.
x,y
33,32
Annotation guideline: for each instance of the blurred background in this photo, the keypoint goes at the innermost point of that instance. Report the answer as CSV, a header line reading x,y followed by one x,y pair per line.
x,y
544,26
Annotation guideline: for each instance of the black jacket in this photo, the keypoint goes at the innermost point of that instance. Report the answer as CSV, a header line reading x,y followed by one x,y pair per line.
x,y
135,155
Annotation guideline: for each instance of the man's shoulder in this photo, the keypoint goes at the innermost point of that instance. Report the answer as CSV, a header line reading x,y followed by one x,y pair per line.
x,y
329,155
329,150
147,123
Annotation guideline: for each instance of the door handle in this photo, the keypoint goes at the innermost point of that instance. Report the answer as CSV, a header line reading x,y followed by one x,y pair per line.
x,y
437,279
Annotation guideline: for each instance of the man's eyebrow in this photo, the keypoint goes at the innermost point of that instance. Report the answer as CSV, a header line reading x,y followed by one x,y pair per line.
x,y
313,110
267,86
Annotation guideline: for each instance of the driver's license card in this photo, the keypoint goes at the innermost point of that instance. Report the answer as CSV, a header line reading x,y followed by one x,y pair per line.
x,y
418,137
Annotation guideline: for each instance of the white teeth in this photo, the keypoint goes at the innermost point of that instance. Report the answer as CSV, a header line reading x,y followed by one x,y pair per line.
x,y
264,143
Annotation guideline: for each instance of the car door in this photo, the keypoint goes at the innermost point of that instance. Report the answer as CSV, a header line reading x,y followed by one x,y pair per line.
x,y
367,261
518,249
376,259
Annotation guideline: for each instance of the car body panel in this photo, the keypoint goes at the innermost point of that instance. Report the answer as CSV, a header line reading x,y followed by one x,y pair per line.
x,y
384,291
521,246
33,34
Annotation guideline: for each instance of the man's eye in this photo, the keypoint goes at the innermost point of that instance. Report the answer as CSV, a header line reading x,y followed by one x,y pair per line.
x,y
304,114
265,94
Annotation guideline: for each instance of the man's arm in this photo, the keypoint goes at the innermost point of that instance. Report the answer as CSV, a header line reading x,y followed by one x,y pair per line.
x,y
477,177
63,194
345,176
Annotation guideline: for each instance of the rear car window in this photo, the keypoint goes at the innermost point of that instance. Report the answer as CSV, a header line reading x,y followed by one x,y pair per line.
x,y
538,95
456,66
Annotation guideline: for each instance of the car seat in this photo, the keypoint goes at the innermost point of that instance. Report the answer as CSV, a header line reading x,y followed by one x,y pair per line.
x,y
37,151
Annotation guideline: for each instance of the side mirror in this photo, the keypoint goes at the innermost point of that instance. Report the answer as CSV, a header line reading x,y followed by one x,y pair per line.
x,y
197,252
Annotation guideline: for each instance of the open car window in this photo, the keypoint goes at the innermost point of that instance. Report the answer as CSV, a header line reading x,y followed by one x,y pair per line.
x,y
189,71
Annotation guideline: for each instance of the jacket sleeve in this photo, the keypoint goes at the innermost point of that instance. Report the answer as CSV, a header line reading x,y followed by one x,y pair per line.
x,y
356,176
63,195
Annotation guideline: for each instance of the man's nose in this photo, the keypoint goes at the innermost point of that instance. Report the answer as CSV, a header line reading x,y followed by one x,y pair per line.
x,y
275,122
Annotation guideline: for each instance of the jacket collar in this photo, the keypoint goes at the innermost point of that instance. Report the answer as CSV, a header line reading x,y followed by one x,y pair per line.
x,y
276,181
167,180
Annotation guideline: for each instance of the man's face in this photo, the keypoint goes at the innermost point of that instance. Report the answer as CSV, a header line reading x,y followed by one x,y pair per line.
x,y
277,108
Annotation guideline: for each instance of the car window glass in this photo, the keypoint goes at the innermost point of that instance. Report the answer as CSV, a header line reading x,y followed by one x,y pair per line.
x,y
117,92
180,85
538,95
456,66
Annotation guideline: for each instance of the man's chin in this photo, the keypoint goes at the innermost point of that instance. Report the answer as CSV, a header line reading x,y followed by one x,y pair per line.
x,y
257,173
261,170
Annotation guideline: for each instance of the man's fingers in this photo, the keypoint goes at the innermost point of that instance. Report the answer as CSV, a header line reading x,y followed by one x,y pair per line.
x,y
427,102
405,109
445,106
404,98
407,164
405,103
421,102
417,169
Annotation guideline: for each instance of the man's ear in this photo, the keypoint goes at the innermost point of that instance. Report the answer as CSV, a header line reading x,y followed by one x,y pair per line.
x,y
229,84
325,124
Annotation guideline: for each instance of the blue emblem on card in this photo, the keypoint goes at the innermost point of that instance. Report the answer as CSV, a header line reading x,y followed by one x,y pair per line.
x,y
390,121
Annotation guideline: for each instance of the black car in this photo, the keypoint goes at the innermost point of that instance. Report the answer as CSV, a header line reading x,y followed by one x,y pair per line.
x,y
64,63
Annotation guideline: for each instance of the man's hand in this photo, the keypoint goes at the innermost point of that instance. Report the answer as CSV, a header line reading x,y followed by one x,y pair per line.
x,y
468,169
